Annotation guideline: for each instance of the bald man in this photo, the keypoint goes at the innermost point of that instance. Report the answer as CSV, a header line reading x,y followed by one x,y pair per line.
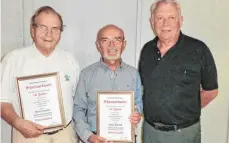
x,y
110,73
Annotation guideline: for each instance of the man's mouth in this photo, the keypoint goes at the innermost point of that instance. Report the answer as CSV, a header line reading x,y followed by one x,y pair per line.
x,y
112,51
48,40
166,31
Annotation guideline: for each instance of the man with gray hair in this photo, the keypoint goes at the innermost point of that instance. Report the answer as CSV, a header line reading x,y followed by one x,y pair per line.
x,y
179,77
110,73
40,58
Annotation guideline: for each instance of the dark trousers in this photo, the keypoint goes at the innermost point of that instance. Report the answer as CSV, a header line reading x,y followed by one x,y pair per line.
x,y
191,134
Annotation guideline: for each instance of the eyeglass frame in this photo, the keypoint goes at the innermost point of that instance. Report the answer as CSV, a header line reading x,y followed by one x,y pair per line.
x,y
116,40
60,29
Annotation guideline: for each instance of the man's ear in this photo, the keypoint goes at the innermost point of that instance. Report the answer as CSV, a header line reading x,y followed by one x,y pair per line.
x,y
181,20
151,20
32,32
124,45
97,46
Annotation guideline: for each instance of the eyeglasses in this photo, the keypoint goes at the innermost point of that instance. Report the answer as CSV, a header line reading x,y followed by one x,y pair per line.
x,y
44,28
116,41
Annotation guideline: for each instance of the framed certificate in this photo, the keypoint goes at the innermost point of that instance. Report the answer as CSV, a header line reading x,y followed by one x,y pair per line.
x,y
113,111
41,99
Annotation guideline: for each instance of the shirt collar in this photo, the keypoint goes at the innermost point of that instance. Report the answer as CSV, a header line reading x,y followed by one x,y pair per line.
x,y
106,67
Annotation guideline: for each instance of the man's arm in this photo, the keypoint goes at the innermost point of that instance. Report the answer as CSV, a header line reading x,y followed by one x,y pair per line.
x,y
209,80
138,94
136,116
8,95
26,128
207,96
8,113
82,128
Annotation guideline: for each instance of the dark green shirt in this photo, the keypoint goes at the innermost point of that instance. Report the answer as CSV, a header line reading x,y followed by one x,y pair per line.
x,y
172,82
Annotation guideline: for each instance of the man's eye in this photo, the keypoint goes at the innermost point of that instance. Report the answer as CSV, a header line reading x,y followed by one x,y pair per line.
x,y
104,40
55,29
118,40
42,27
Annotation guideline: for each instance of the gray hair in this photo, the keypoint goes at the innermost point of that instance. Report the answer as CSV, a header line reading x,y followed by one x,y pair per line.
x,y
157,2
46,9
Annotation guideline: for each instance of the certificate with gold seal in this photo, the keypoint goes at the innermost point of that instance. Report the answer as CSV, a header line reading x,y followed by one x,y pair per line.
x,y
41,99
113,111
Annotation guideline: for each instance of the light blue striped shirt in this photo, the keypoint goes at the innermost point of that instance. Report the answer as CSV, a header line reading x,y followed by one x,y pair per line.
x,y
99,76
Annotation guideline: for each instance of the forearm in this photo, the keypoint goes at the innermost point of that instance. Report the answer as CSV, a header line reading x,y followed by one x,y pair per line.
x,y
82,128
8,113
138,104
207,97
138,95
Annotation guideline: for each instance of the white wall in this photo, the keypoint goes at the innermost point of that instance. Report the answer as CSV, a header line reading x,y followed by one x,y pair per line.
x,y
207,20
84,18
11,24
11,38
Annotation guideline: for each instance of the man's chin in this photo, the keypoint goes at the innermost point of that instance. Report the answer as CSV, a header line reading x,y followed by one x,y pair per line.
x,y
49,47
112,58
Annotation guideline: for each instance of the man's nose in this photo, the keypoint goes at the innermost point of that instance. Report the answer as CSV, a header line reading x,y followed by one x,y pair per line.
x,y
49,32
111,42
165,22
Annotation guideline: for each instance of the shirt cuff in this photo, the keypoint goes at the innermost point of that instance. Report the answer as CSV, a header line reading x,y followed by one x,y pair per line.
x,y
86,136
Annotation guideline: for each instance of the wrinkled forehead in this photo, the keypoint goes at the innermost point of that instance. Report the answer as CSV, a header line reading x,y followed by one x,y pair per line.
x,y
166,5
169,8
111,32
48,17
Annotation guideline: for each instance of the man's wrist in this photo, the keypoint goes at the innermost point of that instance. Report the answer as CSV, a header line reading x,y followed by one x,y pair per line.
x,y
89,138
14,121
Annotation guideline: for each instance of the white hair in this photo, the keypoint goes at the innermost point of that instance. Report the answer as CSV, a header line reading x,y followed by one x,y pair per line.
x,y
157,2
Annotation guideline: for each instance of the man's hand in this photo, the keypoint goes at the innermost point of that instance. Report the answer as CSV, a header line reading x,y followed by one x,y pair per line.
x,y
28,129
135,117
96,139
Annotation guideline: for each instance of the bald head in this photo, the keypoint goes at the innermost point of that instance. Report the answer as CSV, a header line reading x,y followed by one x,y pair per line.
x,y
107,28
110,42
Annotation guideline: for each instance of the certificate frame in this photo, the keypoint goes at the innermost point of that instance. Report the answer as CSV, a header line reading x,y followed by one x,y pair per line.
x,y
99,113
20,89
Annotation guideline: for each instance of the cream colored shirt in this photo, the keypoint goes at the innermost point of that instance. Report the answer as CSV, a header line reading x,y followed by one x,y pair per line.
x,y
29,61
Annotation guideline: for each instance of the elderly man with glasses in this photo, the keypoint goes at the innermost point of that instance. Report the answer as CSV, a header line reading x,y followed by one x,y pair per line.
x,y
40,58
108,74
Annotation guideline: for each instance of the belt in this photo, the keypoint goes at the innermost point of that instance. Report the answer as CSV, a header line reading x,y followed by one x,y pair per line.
x,y
56,131
135,137
173,127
